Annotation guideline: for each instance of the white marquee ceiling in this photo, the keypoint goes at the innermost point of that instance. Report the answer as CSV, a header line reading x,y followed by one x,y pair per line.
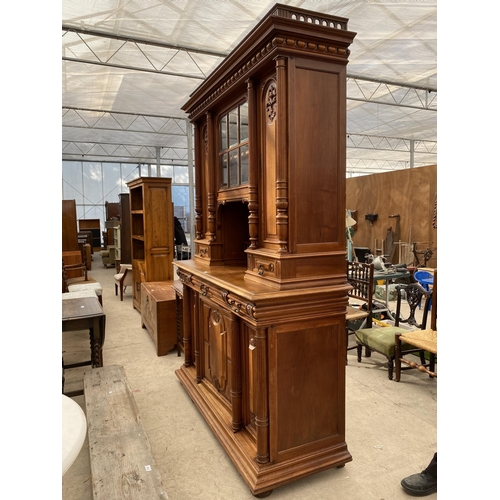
x,y
129,66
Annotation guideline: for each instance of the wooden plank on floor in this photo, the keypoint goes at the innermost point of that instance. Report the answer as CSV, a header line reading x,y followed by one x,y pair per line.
x,y
121,461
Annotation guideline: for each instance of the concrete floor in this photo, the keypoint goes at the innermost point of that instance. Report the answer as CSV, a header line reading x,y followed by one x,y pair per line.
x,y
391,428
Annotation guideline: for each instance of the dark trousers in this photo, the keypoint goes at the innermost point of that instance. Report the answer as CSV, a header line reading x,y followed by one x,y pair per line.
x,y
432,468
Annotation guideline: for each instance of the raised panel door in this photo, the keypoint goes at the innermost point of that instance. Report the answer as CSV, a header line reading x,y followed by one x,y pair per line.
x,y
306,387
217,326
158,232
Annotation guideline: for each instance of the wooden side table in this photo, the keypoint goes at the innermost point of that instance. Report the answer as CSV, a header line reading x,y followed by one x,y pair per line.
x,y
85,314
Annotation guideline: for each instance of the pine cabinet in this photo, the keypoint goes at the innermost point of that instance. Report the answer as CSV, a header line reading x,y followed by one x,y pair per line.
x,y
265,294
158,314
152,236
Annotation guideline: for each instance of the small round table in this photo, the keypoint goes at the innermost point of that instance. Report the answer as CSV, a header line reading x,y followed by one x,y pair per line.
x,y
74,430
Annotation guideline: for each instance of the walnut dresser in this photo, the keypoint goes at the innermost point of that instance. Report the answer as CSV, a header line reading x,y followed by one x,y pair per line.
x,y
265,294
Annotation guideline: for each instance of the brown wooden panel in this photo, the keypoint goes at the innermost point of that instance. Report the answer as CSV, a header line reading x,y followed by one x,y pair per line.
x,y
112,210
125,234
308,386
316,115
410,193
156,215
69,226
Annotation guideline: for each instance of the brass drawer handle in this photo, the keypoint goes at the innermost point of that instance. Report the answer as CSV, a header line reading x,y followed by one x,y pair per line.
x,y
263,267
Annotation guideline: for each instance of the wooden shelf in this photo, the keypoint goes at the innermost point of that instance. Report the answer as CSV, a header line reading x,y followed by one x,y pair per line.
x,y
152,231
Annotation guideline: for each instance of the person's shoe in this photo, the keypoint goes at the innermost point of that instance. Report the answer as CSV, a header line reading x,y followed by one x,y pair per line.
x,y
419,485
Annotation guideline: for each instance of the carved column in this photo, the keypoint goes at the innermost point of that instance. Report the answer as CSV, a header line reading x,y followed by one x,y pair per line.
x,y
281,154
253,167
211,178
235,389
259,357
198,162
186,316
195,309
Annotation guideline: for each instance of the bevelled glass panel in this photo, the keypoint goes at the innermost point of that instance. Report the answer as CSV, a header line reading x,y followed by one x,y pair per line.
x,y
223,133
224,170
244,122
244,164
233,168
233,127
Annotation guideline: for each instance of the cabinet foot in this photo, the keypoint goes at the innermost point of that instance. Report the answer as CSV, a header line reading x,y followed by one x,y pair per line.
x,y
264,494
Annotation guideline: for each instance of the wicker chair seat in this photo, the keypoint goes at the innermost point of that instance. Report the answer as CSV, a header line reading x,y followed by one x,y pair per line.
x,y
423,339
353,314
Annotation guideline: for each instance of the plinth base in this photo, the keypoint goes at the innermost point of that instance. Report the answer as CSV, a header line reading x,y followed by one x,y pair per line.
x,y
240,446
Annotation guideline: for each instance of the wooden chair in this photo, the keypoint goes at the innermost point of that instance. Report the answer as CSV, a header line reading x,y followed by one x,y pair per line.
x,y
75,267
360,277
420,341
382,339
81,268
123,279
